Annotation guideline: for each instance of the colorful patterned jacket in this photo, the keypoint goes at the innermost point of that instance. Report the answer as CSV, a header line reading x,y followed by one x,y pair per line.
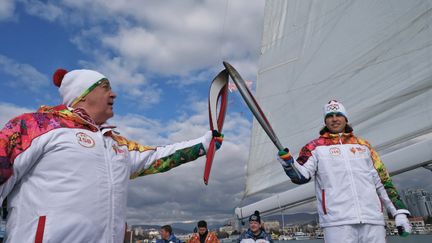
x,y
66,179
351,183
210,238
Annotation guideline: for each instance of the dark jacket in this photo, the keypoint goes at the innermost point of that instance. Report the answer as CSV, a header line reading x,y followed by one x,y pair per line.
x,y
171,239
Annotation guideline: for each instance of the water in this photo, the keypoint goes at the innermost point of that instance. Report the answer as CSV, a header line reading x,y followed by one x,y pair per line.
x,y
390,239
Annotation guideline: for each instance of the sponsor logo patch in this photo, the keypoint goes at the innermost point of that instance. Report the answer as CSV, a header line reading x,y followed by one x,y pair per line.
x,y
335,151
118,150
358,149
85,140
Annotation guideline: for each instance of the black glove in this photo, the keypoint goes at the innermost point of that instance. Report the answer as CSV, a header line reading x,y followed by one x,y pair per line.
x,y
218,138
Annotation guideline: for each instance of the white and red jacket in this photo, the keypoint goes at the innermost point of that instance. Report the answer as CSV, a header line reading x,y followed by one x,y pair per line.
x,y
351,183
66,180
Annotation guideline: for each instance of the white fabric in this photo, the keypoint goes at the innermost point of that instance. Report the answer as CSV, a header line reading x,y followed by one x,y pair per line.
x,y
347,186
75,82
77,179
355,233
402,211
402,220
374,56
334,107
250,240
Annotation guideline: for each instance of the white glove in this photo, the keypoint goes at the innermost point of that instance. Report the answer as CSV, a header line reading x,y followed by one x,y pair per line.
x,y
207,139
403,224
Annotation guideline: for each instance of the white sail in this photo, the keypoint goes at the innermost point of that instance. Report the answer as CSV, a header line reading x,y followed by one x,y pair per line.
x,y
373,56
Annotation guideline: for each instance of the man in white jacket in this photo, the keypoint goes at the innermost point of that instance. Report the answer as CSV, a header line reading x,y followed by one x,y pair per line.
x,y
65,171
351,183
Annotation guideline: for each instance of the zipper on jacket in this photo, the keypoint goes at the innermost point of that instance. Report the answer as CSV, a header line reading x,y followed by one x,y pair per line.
x,y
111,198
348,165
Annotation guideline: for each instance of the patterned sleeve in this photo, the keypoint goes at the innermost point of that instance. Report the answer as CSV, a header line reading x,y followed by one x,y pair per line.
x,y
148,160
16,138
385,177
10,143
306,163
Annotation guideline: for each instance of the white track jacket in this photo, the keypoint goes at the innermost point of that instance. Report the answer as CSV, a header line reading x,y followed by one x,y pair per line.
x,y
351,183
66,180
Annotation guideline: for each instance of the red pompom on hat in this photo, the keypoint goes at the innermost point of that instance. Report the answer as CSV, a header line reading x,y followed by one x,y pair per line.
x,y
58,76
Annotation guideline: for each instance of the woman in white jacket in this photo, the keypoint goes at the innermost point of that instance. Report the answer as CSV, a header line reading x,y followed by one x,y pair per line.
x,y
65,171
351,183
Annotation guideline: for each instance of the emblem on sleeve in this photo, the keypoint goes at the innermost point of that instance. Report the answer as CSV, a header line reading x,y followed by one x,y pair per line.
x,y
85,140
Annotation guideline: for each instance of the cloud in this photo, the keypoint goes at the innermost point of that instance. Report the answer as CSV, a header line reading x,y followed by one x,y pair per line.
x,y
189,37
47,11
149,42
9,111
169,37
180,194
24,75
7,9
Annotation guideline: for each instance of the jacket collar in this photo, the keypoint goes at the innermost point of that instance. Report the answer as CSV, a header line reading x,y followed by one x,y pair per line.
x,y
337,135
78,115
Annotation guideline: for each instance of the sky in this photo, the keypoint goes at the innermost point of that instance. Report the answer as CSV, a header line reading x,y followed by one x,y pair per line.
x,y
160,57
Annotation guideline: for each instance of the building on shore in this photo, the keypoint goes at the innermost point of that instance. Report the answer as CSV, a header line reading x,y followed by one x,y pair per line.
x,y
419,202
272,225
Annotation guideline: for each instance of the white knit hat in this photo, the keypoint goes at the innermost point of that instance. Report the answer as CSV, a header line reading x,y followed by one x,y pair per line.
x,y
75,84
334,106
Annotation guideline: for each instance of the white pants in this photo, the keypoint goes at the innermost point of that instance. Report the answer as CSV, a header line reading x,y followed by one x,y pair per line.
x,y
355,233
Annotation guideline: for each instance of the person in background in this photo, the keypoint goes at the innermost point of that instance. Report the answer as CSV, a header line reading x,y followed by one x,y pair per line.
x,y
203,235
167,235
256,232
65,170
351,183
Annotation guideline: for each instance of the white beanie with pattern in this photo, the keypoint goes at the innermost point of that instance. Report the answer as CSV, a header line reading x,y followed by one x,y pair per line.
x,y
75,84
334,107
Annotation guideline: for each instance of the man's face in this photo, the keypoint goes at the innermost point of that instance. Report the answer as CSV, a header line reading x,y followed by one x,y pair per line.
x,y
202,230
99,102
164,234
335,122
254,226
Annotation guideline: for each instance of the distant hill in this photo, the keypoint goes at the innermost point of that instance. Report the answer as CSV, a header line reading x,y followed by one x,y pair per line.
x,y
176,230
189,227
